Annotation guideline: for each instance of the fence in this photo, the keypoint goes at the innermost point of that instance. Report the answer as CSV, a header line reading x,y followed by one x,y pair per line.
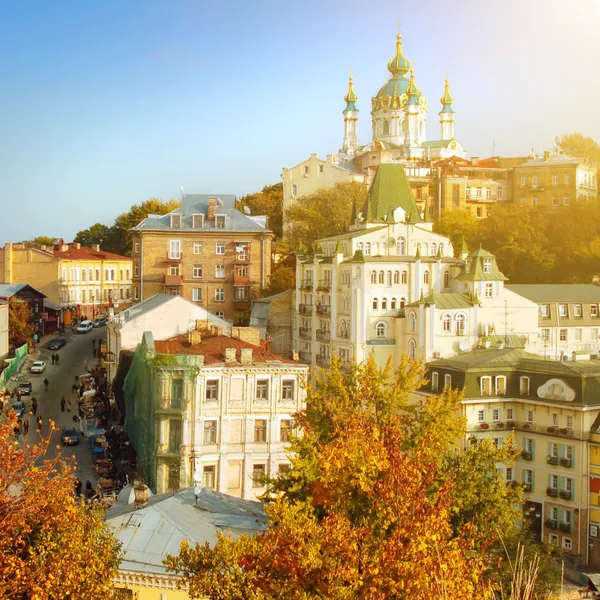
x,y
13,365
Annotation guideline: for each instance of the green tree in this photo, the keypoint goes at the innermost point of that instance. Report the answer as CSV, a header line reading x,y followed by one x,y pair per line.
x,y
283,277
326,212
268,202
20,328
39,241
579,146
96,234
458,224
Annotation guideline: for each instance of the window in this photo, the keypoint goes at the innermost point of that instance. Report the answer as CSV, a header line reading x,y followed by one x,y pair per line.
x,y
294,190
435,381
566,200
524,383
400,246
197,221
375,304
563,310
373,276
197,272
446,322
534,181
210,432
530,416
447,382
578,334
287,390
381,278
212,390
577,310
553,539
412,349
510,474
136,246
220,271
479,212
306,171
486,386
554,200
321,168
176,221
258,474
563,335
478,192
481,416
219,295
404,276
489,290
545,335
426,278
593,530
380,329
175,435
528,476
84,273
393,303
197,294
487,265
554,179
240,293
208,477
384,304
495,414
136,270
510,414
523,181
460,324
500,385
260,430
220,222
220,248
262,389
285,430
446,279
198,247
175,249
412,319
569,426
593,310
174,269
135,293
554,451
554,485
566,543
566,180
529,445
368,249
545,311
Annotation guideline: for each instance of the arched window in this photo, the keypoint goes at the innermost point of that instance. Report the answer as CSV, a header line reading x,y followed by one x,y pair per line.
x,y
381,276
460,324
373,276
342,328
435,381
441,249
412,321
433,248
384,304
375,304
367,248
380,329
404,276
389,279
446,322
359,246
386,127
393,304
402,302
446,279
426,277
396,277
412,349
447,382
400,246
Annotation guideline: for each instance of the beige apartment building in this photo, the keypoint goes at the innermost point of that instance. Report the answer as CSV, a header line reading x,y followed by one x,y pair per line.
x,y
206,251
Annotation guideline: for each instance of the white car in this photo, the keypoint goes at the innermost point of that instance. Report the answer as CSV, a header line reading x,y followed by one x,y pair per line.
x,y
39,366
85,326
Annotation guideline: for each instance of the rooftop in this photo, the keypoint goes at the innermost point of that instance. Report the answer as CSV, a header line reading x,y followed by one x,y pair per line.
x,y
85,253
560,292
7,290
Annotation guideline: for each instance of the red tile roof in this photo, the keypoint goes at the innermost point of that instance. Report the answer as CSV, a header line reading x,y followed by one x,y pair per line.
x,y
85,253
213,349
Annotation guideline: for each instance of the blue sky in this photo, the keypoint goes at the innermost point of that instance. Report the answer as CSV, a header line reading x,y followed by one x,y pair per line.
x,y
105,104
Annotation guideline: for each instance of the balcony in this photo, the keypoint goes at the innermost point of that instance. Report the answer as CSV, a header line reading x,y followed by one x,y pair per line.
x,y
527,487
305,332
242,257
305,309
241,281
306,358
552,460
323,335
552,429
324,310
526,455
566,494
323,360
172,257
306,284
171,280
551,523
241,303
566,462
324,285
552,492
565,527
344,335
528,427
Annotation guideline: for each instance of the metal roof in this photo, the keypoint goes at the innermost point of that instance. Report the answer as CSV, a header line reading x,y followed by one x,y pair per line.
x,y
10,289
563,292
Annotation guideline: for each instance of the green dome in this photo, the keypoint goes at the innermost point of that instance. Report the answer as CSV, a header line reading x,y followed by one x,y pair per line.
x,y
398,64
351,97
390,91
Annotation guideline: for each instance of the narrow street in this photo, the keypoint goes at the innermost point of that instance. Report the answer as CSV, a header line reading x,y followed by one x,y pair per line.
x,y
74,357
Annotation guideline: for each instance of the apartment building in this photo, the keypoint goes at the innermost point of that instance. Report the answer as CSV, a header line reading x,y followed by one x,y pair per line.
x,y
552,408
206,251
212,405
568,317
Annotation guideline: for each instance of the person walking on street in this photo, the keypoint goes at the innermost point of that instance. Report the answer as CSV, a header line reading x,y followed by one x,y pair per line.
x,y
74,388
78,486
57,358
26,427
34,405
46,384
94,343
62,404
52,357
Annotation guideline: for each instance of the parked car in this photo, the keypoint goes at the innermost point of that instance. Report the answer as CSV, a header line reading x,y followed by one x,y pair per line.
x,y
85,327
69,436
24,389
19,408
39,366
101,322
57,343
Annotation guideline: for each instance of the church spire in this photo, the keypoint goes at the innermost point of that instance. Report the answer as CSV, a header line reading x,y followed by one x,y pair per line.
x,y
412,91
350,143
447,98
447,114
399,64
351,96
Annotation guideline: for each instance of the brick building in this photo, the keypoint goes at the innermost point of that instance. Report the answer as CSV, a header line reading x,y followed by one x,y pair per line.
x,y
206,251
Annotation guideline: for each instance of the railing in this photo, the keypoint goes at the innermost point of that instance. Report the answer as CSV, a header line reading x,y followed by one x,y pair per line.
x,y
525,455
324,309
525,426
241,303
305,309
552,460
566,462
323,361
173,279
344,335
551,492
551,523
305,332
323,335
324,284
565,527
174,257
306,284
241,281
242,257
566,494
305,357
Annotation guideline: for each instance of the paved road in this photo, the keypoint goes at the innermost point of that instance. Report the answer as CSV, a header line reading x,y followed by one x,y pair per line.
x,y
74,357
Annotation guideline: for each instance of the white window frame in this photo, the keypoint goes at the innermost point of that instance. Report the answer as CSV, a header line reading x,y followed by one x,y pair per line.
x,y
381,329
194,217
530,416
545,308
197,294
175,249
220,271
497,380
447,381
220,248
495,415
482,380
524,390
481,415
489,290
197,272
435,381
198,248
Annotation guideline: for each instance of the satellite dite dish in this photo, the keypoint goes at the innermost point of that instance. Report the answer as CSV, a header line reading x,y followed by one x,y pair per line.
x,y
219,202
246,210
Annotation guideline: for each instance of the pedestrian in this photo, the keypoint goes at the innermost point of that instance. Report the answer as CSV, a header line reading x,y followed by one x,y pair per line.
x,y
94,343
74,388
17,431
26,426
34,405
78,486
57,358
52,357
68,404
46,384
89,490
62,404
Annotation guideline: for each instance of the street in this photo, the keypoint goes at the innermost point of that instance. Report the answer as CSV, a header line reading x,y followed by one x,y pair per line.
x,y
74,357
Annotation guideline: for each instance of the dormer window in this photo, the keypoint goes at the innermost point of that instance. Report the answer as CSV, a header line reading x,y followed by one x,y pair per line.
x,y
176,221
220,221
487,266
198,221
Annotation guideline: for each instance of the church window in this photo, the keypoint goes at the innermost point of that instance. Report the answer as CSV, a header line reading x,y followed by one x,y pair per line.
x,y
441,249
412,321
426,277
489,290
401,246
375,304
380,329
396,277
435,379
381,276
404,276
373,276
389,279
384,304
386,127
460,324
412,349
367,248
446,279
393,304
433,248
402,302
446,322
359,246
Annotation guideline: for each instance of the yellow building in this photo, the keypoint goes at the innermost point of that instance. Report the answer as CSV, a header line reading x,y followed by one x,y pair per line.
x,y
554,180
88,280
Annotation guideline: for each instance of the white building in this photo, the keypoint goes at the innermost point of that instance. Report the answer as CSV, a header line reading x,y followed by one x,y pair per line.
x,y
212,405
4,345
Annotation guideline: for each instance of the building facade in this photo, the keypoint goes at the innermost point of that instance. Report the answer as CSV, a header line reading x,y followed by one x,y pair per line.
x,y
206,251
213,405
552,410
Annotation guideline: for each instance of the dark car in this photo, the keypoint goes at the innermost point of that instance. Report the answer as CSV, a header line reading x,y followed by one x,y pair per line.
x,y
24,389
56,343
69,436
100,322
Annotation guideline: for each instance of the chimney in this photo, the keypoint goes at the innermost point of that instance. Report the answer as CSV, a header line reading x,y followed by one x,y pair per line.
x,y
194,337
64,247
546,155
96,247
44,247
229,356
211,208
475,161
219,331
246,356
76,245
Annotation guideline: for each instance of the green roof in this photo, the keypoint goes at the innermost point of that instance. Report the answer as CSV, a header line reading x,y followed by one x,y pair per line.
x,y
447,301
390,190
476,270
351,234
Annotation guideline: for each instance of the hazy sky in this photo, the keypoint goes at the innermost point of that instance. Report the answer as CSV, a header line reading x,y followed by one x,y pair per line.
x,y
104,104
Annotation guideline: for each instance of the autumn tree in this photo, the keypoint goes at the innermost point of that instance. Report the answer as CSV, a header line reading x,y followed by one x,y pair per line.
x,y
579,146
20,326
458,225
52,547
380,502
97,234
326,212
269,202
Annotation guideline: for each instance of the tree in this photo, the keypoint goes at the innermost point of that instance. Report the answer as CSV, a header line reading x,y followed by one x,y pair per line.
x,y
283,277
41,240
268,202
578,146
379,502
326,212
20,327
96,234
458,224
52,547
